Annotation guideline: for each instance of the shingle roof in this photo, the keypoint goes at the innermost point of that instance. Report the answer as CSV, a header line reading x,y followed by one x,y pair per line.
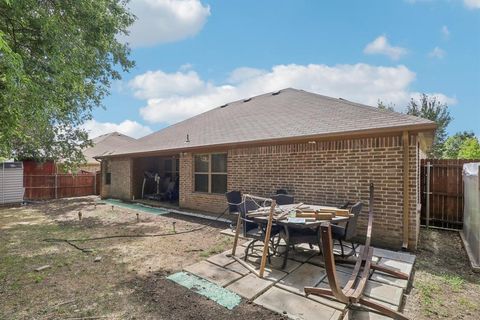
x,y
285,114
107,144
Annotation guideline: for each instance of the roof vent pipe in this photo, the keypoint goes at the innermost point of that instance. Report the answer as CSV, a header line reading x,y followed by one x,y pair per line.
x,y
276,93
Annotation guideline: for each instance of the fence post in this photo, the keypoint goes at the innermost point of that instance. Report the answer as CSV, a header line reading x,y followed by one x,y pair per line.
x,y
427,209
95,183
56,187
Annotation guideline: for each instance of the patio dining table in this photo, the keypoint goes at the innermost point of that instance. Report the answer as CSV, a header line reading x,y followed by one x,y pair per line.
x,y
291,227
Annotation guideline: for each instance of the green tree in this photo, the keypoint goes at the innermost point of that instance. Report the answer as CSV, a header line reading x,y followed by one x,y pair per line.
x,y
383,106
453,143
430,108
470,149
57,61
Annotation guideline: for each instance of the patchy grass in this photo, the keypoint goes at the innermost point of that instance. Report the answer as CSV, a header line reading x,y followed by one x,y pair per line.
x,y
129,281
220,247
444,285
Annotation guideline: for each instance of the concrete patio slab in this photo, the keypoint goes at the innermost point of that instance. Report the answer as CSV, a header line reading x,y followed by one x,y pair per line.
x,y
221,259
384,278
250,286
276,263
394,255
213,273
295,306
317,260
402,266
300,254
384,292
341,277
307,275
237,267
328,302
363,315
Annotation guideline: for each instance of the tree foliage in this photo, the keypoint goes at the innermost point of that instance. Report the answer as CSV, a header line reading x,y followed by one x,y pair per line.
x,y
429,107
382,106
470,149
452,145
57,61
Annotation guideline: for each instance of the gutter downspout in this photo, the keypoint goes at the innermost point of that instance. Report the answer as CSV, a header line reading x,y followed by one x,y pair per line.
x,y
406,188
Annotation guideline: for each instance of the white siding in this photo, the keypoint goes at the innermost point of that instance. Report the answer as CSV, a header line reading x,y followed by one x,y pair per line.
x,y
11,182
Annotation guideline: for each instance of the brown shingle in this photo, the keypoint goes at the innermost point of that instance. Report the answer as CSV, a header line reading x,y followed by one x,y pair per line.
x,y
289,114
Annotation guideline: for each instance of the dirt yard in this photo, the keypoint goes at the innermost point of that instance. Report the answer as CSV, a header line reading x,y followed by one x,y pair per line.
x,y
127,283
129,280
445,287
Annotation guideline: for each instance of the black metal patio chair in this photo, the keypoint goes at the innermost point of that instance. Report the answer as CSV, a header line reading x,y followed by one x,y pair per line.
x,y
349,231
283,199
256,231
234,199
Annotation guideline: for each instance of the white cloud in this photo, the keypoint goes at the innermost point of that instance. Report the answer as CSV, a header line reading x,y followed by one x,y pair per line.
x,y
161,21
442,98
128,127
437,53
381,46
472,4
158,84
357,82
445,32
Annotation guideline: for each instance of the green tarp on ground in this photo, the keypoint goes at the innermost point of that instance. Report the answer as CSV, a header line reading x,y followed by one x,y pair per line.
x,y
135,206
210,290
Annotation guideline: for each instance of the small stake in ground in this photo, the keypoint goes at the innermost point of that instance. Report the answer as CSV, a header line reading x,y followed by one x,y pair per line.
x,y
138,217
173,223
80,215
112,208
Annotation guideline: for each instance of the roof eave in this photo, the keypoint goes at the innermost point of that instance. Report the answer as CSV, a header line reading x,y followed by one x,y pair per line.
x,y
416,128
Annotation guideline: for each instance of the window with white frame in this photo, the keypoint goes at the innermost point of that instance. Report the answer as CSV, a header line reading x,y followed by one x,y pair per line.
x,y
210,173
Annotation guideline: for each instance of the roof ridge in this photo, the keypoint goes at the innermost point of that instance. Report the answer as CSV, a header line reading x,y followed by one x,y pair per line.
x,y
215,108
361,105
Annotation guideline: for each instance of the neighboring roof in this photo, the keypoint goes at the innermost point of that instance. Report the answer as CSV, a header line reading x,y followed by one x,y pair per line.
x,y
283,115
107,144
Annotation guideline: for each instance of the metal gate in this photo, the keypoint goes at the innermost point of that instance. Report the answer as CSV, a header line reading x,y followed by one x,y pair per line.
x,y
442,193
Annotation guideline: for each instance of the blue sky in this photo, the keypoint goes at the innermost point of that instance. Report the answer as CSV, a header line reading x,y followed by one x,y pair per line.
x,y
195,55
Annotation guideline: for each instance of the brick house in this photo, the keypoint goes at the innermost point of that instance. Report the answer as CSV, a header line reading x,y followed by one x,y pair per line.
x,y
322,150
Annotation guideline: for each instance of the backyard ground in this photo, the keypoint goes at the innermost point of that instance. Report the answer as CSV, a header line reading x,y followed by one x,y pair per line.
x,y
129,280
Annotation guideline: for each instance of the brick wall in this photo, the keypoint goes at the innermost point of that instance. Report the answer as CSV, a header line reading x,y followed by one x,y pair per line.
x,y
120,187
215,203
328,173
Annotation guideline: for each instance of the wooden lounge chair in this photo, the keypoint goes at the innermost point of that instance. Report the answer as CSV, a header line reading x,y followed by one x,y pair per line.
x,y
352,293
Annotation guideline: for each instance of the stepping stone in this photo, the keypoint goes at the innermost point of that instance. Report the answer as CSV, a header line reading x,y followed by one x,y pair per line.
x,y
237,267
317,260
273,274
328,302
307,275
397,265
363,315
342,279
394,255
277,263
384,292
301,255
295,306
384,278
250,286
213,273
221,259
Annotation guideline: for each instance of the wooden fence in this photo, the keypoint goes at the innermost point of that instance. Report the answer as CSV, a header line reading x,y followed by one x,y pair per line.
x,y
54,186
442,192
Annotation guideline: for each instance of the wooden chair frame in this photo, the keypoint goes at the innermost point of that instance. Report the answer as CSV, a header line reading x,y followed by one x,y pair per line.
x,y
352,293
